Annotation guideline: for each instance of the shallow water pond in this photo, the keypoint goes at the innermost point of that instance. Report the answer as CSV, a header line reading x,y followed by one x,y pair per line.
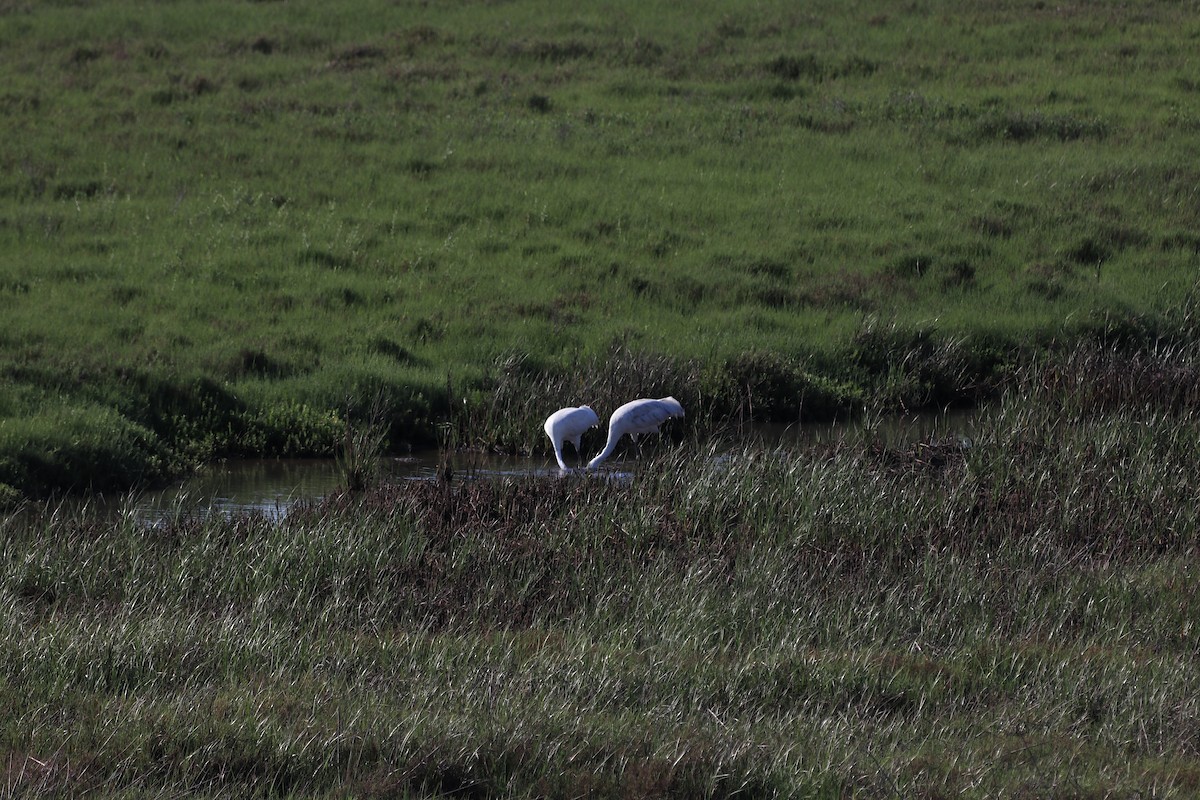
x,y
272,486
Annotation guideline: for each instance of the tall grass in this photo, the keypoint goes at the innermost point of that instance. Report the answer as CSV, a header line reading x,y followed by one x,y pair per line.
x,y
1010,615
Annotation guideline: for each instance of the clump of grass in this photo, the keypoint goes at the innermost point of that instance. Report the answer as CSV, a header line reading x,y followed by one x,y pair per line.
x,y
921,367
1093,379
362,446
758,386
93,449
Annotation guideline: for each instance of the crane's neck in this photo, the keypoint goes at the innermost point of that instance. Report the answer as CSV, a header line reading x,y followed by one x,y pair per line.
x,y
606,452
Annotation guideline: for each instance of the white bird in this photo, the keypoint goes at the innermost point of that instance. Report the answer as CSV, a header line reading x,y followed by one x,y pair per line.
x,y
569,425
635,418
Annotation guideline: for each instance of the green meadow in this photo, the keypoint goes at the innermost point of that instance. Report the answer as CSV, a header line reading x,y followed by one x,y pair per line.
x,y
233,228
290,228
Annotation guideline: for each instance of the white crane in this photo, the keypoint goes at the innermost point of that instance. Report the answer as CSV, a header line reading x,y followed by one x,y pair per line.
x,y
635,418
569,425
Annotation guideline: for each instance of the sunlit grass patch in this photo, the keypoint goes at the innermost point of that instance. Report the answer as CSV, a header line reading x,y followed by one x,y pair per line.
x,y
399,201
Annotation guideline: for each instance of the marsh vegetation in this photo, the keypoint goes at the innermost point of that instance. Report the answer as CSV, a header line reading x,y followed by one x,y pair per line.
x,y
1016,617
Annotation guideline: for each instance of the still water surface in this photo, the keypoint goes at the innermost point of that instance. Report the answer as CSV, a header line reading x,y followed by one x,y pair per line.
x,y
270,487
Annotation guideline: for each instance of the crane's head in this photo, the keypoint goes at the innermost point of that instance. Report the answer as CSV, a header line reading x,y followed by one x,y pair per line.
x,y
671,404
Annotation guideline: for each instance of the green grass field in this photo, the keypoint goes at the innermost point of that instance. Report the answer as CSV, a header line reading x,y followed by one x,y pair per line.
x,y
227,228
292,228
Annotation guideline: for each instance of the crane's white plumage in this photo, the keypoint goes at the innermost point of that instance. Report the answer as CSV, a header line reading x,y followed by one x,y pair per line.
x,y
635,418
569,425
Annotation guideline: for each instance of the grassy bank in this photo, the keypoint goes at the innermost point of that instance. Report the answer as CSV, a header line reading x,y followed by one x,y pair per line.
x,y
227,230
1016,617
